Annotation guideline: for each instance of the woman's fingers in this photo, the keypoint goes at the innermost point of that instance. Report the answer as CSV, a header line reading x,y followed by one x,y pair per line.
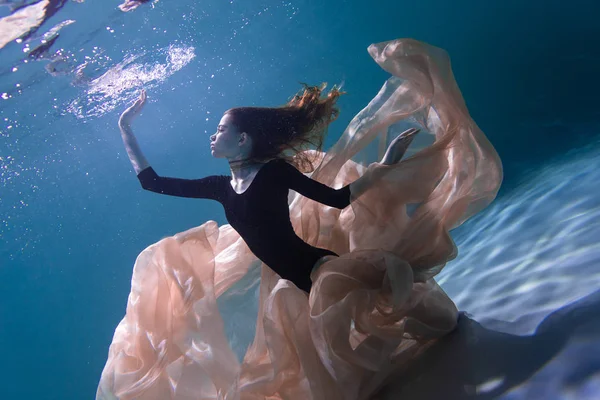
x,y
407,134
133,110
139,103
410,132
142,100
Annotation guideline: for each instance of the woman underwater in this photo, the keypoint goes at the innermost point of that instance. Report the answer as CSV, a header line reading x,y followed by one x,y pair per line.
x,y
347,294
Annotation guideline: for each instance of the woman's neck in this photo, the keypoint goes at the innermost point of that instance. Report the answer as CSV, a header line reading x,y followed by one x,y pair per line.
x,y
242,169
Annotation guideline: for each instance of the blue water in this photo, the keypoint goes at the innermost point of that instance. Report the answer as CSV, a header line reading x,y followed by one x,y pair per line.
x,y
73,218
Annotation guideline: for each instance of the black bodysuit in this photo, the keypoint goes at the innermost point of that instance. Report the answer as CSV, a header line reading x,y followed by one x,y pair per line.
x,y
261,214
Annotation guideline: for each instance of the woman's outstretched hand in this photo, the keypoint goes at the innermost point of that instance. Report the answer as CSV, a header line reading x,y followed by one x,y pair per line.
x,y
398,146
133,111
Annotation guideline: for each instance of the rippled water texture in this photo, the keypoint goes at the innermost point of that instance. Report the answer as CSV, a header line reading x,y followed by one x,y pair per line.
x,y
528,279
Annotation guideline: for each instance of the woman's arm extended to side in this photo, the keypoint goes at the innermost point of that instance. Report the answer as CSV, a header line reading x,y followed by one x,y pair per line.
x,y
341,198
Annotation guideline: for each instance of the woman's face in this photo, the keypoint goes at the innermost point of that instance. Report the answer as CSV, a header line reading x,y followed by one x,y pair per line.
x,y
225,143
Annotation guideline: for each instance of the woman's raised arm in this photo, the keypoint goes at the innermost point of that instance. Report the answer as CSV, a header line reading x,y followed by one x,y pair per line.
x,y
211,187
137,158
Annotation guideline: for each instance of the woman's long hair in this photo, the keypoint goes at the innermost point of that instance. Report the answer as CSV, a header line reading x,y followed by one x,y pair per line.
x,y
287,131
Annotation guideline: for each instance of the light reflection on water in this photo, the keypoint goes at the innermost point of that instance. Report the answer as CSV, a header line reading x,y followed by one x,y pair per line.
x,y
123,81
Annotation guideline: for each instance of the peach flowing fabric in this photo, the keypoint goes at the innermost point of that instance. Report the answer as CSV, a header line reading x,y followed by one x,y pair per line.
x,y
370,311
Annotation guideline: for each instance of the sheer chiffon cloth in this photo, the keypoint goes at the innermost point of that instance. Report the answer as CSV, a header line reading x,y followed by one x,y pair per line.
x,y
369,311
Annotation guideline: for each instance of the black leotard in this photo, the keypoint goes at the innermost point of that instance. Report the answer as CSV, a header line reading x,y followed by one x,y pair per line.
x,y
261,214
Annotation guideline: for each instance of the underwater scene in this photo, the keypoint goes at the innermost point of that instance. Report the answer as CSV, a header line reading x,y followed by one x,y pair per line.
x,y
481,243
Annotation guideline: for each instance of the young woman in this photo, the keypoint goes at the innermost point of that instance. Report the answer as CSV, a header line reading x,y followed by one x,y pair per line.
x,y
257,143
363,239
